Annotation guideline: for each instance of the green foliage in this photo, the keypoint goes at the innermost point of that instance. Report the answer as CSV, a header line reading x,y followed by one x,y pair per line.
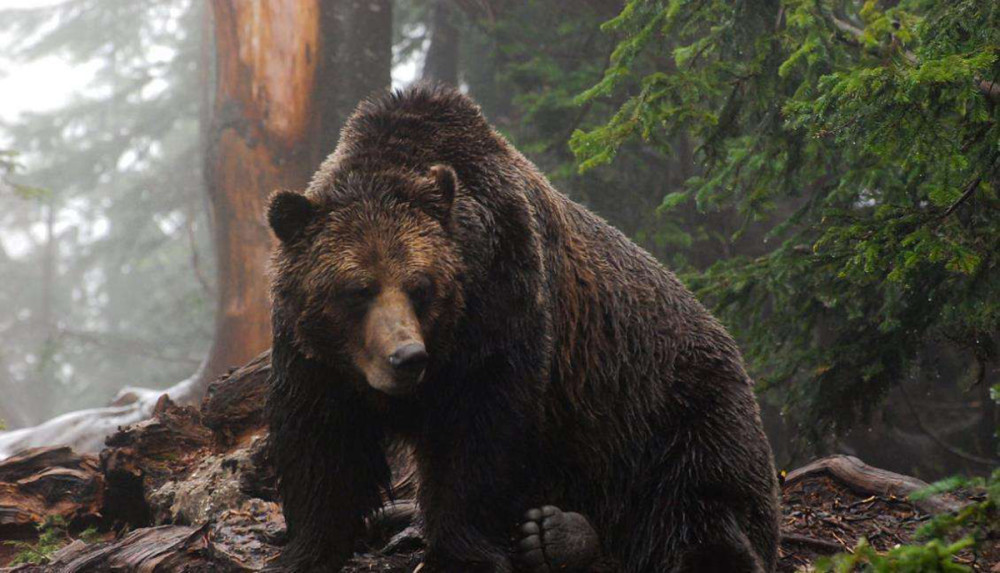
x,y
52,535
860,141
976,521
930,558
90,535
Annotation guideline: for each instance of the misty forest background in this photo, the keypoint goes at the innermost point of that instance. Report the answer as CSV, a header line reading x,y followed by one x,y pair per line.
x,y
823,174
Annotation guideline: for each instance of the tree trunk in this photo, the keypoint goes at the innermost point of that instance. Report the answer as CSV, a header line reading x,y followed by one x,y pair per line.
x,y
288,74
441,63
356,49
259,141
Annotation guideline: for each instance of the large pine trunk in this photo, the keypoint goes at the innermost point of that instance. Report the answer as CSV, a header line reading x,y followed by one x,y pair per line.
x,y
259,140
288,75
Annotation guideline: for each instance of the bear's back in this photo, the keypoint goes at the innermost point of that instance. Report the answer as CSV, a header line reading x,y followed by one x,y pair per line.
x,y
409,131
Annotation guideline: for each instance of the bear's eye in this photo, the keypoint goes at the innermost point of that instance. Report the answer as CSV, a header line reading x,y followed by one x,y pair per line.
x,y
356,293
421,291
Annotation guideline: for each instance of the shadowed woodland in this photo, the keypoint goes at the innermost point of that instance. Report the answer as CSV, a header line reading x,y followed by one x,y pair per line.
x,y
823,175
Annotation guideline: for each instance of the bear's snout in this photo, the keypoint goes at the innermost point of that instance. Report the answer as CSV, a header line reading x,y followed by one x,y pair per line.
x,y
394,356
409,360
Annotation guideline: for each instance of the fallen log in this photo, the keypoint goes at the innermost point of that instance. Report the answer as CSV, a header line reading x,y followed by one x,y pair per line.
x,y
233,406
167,548
236,407
85,430
868,480
820,545
41,483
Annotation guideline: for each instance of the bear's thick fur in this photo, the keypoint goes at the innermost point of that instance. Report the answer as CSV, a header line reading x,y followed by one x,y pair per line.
x,y
548,361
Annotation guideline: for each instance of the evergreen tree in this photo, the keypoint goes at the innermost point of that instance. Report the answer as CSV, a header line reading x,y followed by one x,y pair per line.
x,y
111,276
863,137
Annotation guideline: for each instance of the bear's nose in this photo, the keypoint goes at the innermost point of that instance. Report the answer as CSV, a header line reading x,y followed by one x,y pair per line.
x,y
410,358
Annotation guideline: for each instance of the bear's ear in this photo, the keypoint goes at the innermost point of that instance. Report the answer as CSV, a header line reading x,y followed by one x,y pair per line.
x,y
442,196
289,213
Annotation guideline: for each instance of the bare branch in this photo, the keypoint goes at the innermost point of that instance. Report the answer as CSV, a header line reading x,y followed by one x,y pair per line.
x,y
969,190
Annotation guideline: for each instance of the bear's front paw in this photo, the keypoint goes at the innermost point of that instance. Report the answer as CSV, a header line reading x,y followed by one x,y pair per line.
x,y
552,540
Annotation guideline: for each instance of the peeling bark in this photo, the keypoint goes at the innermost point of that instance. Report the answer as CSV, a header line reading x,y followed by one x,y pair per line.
x,y
259,141
46,482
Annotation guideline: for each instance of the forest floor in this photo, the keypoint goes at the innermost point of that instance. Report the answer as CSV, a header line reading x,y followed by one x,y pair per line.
x,y
191,490
822,508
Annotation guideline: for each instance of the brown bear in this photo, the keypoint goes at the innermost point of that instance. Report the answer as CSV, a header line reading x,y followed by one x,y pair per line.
x,y
431,286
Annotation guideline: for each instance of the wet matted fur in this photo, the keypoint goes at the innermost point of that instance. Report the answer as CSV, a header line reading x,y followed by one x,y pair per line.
x,y
566,365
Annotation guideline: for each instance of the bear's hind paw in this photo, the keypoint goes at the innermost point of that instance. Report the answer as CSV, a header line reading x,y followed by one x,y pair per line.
x,y
551,540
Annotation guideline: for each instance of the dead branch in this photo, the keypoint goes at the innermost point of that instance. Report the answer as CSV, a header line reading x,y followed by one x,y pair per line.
x,y
867,480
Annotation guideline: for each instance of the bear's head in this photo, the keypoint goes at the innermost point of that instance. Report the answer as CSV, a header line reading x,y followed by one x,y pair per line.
x,y
368,278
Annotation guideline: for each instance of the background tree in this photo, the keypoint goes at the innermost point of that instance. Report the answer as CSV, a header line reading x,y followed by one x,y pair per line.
x,y
13,411
441,60
101,277
286,77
